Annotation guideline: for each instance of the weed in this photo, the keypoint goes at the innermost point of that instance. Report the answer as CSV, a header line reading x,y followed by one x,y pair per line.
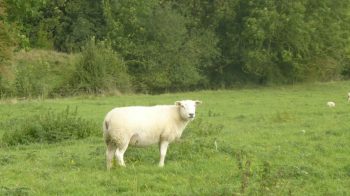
x,y
267,180
49,127
201,128
14,191
244,165
199,139
6,159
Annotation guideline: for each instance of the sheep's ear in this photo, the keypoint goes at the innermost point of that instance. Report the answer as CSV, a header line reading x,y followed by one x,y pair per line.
x,y
198,102
178,103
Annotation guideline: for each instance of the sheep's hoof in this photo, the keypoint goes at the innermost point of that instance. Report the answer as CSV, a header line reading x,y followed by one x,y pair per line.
x,y
122,165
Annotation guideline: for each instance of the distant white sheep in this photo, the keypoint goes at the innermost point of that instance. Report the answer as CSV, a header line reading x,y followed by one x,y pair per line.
x,y
331,104
348,96
145,125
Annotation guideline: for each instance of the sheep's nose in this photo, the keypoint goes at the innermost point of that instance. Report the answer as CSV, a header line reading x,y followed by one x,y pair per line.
x,y
191,115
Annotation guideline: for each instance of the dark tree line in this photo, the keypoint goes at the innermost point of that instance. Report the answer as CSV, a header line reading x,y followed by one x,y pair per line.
x,y
170,45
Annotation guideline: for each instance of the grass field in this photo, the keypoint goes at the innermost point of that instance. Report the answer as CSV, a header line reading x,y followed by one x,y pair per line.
x,y
270,141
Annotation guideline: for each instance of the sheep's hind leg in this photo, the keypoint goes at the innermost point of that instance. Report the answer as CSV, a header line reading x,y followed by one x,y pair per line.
x,y
109,155
163,146
119,153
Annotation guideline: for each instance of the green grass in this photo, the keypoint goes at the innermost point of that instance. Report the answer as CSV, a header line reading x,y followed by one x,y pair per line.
x,y
270,141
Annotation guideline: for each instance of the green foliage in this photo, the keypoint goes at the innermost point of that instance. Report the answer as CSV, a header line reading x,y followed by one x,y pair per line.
x,y
5,44
25,16
5,87
167,66
49,127
75,27
57,24
285,42
180,45
162,54
6,40
99,70
31,80
41,74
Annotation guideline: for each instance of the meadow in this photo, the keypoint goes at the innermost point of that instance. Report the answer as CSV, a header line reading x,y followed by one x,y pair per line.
x,y
254,141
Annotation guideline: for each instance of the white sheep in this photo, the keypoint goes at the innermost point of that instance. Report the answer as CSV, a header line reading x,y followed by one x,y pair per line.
x,y
145,125
331,104
348,96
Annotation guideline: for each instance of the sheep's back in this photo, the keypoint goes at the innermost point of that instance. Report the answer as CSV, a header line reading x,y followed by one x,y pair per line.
x,y
140,117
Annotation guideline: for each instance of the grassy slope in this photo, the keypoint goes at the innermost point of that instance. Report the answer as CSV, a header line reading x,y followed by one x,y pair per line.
x,y
38,72
275,141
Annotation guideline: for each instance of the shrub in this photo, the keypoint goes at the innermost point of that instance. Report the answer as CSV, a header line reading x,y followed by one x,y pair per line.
x,y
5,89
50,127
100,70
33,80
41,73
6,42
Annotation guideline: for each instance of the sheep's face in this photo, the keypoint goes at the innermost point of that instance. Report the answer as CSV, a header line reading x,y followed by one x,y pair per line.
x,y
187,108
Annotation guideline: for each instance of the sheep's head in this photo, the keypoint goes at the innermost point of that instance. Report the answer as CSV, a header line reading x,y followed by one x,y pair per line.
x,y
187,108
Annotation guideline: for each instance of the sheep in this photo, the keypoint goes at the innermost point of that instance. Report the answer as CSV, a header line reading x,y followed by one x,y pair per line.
x,y
142,126
331,104
348,96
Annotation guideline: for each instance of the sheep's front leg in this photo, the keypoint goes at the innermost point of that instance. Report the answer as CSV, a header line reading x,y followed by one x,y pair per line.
x,y
163,146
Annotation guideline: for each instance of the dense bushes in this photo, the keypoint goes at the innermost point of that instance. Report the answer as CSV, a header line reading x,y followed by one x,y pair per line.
x,y
40,73
37,73
5,39
99,70
167,45
34,80
49,127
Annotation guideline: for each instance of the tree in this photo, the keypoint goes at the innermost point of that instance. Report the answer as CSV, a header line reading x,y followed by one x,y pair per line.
x,y
6,43
161,51
280,41
5,38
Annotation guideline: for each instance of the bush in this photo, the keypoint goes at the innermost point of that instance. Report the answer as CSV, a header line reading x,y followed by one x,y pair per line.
x,y
40,73
6,42
100,70
50,127
5,89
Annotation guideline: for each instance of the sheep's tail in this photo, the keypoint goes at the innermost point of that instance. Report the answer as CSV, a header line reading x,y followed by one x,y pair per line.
x,y
105,126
